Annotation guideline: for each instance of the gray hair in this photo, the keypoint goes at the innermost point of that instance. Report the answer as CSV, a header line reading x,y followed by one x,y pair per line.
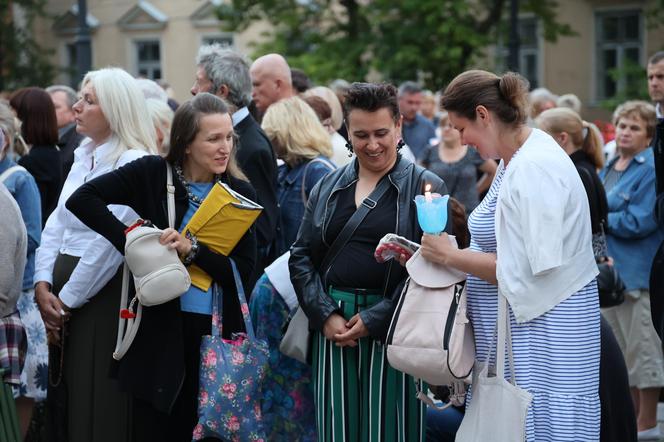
x,y
224,66
542,94
656,57
570,101
72,97
151,90
409,87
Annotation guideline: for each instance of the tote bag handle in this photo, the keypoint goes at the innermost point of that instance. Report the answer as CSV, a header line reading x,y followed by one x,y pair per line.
x,y
217,306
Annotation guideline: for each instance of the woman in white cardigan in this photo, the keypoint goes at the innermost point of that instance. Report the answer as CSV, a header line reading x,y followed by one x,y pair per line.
x,y
531,243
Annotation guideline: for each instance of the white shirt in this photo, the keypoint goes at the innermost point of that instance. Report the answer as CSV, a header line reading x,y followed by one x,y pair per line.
x,y
543,229
65,234
239,115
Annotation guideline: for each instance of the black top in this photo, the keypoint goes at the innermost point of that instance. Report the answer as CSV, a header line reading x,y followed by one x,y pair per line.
x,y
256,159
355,265
45,165
153,368
599,209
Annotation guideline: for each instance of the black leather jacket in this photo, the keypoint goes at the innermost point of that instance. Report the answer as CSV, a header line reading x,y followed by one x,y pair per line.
x,y
310,247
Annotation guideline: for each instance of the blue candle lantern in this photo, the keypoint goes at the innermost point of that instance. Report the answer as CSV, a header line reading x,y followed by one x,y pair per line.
x,y
432,213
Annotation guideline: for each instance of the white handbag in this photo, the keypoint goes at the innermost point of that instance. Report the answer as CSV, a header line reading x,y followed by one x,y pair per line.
x,y
498,408
159,275
430,336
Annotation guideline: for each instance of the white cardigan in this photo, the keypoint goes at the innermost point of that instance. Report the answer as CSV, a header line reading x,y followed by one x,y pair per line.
x,y
543,229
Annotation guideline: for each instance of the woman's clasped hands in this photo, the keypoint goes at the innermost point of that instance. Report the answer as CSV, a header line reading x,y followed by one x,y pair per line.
x,y
344,333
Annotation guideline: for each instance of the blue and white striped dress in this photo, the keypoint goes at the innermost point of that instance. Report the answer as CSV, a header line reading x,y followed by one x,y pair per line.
x,y
556,355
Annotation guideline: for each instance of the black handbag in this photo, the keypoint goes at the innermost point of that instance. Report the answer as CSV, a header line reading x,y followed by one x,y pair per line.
x,y
611,287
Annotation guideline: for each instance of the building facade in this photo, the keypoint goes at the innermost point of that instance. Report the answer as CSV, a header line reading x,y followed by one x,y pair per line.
x,y
156,39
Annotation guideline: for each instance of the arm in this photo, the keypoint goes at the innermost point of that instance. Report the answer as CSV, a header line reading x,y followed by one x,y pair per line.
x,y
311,294
637,219
489,168
89,203
47,252
438,249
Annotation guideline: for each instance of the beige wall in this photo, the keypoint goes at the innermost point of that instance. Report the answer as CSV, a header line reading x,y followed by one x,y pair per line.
x,y
111,45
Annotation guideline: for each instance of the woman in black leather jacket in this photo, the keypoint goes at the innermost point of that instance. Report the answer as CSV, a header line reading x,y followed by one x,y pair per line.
x,y
350,302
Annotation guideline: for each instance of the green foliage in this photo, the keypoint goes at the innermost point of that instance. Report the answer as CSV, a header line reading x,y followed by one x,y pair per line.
x,y
635,85
427,40
22,61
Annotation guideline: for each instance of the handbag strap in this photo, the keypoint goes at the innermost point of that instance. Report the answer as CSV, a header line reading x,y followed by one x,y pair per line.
x,y
217,306
342,238
504,340
170,195
126,335
11,171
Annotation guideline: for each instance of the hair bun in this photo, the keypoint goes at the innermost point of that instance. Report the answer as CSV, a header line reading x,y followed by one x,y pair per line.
x,y
514,88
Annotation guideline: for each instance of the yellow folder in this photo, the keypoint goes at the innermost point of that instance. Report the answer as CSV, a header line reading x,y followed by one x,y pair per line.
x,y
219,223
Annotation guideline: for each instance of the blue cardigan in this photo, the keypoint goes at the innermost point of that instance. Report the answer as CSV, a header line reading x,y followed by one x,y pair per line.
x,y
633,232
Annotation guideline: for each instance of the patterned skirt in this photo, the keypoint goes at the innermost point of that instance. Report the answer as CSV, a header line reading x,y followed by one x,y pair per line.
x,y
359,397
34,377
288,403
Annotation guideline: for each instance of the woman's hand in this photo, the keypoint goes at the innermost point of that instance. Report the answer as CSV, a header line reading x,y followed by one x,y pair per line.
x,y
173,240
357,330
52,309
334,325
437,248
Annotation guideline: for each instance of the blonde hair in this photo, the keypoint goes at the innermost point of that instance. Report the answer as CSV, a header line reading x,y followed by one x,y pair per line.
x,y
332,100
7,126
640,109
563,119
162,118
294,126
123,105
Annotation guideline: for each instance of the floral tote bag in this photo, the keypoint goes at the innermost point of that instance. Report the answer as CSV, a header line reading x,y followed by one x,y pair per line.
x,y
231,376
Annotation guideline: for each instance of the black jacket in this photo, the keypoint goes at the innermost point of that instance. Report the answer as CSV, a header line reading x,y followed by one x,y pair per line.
x,y
657,270
256,159
599,208
45,166
68,142
153,368
310,248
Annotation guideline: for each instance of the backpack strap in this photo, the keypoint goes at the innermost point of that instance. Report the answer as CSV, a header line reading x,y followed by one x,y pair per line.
x,y
11,171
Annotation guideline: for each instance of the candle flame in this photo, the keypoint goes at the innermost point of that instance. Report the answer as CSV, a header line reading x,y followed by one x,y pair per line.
x,y
427,188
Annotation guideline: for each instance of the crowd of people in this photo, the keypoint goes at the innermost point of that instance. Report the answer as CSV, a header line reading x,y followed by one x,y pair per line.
x,y
541,206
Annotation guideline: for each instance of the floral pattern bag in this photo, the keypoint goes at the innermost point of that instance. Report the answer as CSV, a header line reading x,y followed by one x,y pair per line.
x,y
231,377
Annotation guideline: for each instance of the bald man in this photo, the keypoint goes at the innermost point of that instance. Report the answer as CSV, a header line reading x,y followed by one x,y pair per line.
x,y
271,81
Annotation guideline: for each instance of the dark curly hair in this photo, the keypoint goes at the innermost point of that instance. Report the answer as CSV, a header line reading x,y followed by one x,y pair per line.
x,y
371,97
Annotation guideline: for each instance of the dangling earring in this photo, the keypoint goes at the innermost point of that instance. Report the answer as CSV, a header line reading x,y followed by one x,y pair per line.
x,y
350,149
400,144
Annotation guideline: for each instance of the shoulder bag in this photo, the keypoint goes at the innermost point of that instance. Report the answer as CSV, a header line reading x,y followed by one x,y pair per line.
x,y
498,408
159,275
295,342
430,336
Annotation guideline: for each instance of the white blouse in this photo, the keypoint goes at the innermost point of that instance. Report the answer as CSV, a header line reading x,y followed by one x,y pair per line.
x,y
65,234
543,230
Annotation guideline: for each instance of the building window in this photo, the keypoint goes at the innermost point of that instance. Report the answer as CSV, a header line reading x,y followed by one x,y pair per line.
x,y
222,39
528,50
619,46
148,59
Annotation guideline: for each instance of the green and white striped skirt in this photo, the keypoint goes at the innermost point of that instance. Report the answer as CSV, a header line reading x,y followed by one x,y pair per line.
x,y
358,396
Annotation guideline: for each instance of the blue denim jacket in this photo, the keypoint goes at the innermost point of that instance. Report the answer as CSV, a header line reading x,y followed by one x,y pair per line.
x,y
291,199
24,189
633,232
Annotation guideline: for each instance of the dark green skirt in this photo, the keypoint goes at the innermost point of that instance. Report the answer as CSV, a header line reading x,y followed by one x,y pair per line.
x,y
96,409
358,396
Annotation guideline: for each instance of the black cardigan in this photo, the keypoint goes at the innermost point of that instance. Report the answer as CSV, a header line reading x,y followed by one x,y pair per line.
x,y
153,368
45,165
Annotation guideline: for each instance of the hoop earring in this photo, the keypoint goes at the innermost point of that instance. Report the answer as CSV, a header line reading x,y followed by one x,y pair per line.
x,y
350,149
